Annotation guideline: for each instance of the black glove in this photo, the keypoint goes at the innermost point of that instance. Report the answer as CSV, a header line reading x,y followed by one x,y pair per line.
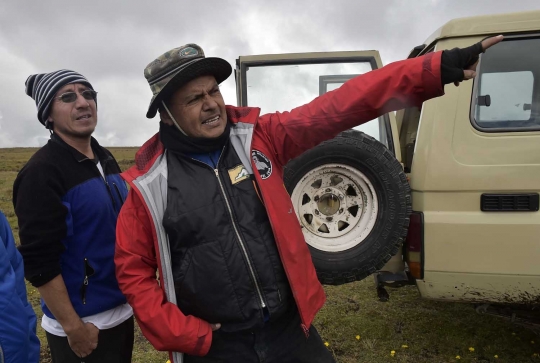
x,y
454,61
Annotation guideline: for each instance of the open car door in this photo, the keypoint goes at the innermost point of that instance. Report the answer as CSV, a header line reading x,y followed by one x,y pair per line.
x,y
349,193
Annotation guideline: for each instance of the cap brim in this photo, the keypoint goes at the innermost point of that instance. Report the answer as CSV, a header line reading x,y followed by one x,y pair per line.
x,y
219,68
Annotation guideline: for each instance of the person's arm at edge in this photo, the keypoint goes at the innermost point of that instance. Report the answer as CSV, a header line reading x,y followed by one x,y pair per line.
x,y
161,322
18,340
17,264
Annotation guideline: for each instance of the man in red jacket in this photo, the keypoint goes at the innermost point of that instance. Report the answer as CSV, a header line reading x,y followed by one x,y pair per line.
x,y
208,211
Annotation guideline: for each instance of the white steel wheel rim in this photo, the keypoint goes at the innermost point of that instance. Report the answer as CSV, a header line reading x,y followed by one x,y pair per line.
x,y
337,207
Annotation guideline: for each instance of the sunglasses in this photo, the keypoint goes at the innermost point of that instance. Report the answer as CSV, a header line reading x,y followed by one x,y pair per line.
x,y
70,97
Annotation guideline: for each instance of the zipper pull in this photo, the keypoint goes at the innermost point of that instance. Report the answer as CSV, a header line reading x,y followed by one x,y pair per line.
x,y
83,290
305,329
217,173
110,192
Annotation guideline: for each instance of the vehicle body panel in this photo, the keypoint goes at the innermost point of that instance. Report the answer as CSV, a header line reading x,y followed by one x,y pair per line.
x,y
471,255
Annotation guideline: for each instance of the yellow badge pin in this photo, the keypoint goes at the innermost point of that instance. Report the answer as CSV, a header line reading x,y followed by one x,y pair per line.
x,y
238,174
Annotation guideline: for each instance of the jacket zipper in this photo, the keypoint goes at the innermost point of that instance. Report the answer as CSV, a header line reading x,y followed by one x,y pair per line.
x,y
103,163
110,192
242,246
83,291
240,239
304,327
88,271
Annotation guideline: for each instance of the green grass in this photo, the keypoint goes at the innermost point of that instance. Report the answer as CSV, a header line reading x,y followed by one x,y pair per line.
x,y
434,332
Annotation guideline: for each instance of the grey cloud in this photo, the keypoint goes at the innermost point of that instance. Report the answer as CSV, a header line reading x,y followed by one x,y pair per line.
x,y
111,42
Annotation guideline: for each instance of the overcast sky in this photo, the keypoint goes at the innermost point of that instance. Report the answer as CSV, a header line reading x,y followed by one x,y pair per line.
x,y
111,42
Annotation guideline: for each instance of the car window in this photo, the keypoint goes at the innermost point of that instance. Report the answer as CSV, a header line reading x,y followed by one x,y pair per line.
x,y
506,94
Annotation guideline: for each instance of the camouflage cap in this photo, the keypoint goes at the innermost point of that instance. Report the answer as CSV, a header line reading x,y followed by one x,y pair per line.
x,y
178,66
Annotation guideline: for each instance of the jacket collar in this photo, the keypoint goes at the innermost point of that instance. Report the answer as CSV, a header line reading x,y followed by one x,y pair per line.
x,y
80,157
149,152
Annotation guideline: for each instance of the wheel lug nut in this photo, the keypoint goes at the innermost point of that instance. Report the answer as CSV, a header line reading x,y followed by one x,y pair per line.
x,y
341,210
316,198
328,190
316,212
341,196
329,219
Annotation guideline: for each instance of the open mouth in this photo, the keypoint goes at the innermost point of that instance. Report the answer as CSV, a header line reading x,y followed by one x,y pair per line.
x,y
211,121
83,117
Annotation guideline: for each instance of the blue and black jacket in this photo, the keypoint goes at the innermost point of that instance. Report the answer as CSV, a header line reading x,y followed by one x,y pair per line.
x,y
67,217
18,340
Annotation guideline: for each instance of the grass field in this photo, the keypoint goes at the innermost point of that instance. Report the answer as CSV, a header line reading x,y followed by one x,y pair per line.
x,y
357,327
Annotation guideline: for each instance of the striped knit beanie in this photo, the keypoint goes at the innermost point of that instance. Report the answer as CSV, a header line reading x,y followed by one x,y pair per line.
x,y
43,87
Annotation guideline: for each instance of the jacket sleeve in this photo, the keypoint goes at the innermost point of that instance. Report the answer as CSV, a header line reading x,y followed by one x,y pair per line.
x,y
361,99
18,338
37,198
161,322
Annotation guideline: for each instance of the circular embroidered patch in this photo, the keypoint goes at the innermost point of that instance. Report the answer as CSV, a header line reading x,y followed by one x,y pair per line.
x,y
262,163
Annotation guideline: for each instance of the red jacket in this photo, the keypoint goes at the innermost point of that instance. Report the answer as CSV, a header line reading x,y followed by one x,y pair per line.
x,y
142,247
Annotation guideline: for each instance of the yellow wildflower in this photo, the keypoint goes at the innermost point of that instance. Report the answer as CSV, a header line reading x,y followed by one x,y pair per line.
x,y
458,357
404,346
358,337
168,361
326,343
393,353
471,349
496,356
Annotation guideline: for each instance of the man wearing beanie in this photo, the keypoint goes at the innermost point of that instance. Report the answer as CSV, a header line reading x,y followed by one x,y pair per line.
x,y
208,211
67,199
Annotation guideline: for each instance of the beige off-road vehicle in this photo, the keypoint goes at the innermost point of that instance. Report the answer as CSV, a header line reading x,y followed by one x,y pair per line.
x,y
445,195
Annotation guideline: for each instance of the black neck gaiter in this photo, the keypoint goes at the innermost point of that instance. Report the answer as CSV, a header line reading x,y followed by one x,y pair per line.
x,y
176,141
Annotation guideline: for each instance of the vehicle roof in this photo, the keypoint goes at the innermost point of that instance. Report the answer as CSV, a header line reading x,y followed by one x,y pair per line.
x,y
526,21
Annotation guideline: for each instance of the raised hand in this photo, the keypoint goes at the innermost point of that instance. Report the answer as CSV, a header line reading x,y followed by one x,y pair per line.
x,y
459,64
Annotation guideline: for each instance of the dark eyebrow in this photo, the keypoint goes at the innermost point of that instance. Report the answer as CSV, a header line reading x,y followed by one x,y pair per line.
x,y
194,96
78,89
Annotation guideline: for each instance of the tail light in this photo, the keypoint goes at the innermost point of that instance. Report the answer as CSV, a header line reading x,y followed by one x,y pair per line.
x,y
414,245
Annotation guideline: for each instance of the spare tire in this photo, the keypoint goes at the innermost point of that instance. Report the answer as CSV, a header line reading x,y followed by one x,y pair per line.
x,y
353,202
